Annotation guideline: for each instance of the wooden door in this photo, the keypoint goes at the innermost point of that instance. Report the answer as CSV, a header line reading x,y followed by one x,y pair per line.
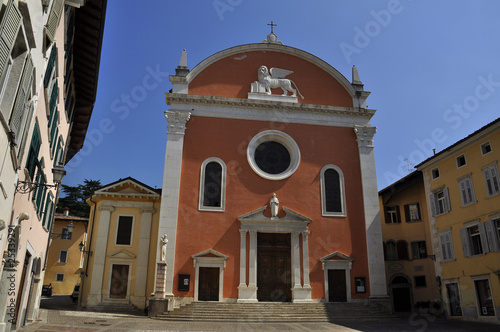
x,y
274,268
119,281
208,289
337,290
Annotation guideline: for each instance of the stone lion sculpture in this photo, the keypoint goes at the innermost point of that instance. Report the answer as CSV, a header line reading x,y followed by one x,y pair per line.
x,y
275,78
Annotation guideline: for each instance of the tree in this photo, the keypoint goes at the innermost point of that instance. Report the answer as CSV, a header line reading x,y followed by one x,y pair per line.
x,y
75,196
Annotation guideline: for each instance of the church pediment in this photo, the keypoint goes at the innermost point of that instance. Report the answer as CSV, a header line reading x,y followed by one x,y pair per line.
x,y
128,187
122,254
256,220
337,256
210,257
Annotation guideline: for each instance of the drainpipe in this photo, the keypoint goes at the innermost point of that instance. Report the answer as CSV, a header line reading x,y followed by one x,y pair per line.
x,y
91,234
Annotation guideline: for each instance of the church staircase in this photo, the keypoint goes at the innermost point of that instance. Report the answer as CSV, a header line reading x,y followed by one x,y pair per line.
x,y
276,312
117,308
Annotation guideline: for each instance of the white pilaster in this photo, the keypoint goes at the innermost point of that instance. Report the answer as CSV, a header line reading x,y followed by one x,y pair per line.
x,y
143,257
374,241
252,266
95,295
170,193
305,258
295,260
243,258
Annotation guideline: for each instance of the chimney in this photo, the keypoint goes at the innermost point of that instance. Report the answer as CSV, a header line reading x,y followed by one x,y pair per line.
x,y
66,212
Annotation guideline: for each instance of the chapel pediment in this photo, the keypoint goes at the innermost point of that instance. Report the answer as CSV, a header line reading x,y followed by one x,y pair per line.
x,y
128,187
337,256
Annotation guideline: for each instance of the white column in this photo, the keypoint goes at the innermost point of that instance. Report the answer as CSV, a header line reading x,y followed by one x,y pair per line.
x,y
101,243
376,264
252,266
170,193
305,258
295,260
243,258
143,258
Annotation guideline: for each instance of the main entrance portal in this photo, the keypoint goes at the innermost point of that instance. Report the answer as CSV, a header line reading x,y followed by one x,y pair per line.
x,y
273,267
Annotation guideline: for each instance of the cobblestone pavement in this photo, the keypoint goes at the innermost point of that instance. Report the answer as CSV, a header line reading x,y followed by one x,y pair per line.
x,y
65,317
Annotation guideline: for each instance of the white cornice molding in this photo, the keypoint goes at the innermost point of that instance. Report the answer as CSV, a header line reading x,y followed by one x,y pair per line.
x,y
250,109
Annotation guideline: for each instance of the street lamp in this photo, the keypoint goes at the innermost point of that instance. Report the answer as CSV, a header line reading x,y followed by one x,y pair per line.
x,y
25,187
81,246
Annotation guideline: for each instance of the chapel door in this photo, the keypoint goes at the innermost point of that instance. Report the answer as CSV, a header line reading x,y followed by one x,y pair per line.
x,y
337,289
119,281
274,267
208,289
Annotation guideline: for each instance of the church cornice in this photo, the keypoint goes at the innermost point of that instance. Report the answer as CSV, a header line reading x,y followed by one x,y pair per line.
x,y
187,99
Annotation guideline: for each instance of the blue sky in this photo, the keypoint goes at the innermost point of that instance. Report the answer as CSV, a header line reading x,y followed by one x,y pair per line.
x,y
432,68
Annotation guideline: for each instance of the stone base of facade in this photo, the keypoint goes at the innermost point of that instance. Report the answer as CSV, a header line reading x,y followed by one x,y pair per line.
x,y
138,301
301,295
383,303
247,294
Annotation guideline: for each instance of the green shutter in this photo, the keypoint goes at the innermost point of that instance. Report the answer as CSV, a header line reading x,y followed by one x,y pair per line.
x,y
50,66
9,27
32,161
22,99
54,17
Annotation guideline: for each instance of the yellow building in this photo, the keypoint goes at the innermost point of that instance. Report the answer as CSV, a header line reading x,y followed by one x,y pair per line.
x,y
124,226
463,189
65,260
408,252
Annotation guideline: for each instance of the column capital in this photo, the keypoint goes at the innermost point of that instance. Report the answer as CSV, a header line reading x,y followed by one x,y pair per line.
x,y
252,232
106,208
365,135
177,122
147,210
243,232
305,234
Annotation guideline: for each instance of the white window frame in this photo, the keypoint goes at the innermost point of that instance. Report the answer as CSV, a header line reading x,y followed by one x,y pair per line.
x,y
493,178
408,217
392,214
483,146
222,207
446,245
440,204
466,189
60,252
281,138
466,237
131,231
325,213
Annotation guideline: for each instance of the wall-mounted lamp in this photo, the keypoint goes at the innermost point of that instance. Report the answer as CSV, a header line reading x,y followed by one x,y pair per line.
x,y
81,246
25,187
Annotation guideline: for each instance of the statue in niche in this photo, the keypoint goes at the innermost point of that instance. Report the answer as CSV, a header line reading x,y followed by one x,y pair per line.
x,y
275,78
274,203
163,243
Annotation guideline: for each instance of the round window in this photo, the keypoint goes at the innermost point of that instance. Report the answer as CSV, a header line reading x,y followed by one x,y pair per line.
x,y
273,155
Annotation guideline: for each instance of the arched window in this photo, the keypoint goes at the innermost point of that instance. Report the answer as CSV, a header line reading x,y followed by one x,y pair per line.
x,y
392,252
212,185
332,191
403,252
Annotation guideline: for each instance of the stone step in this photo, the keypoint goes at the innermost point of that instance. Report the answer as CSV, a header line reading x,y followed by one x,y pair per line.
x,y
274,312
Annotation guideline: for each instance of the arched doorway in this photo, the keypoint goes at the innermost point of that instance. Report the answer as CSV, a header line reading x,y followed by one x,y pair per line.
x,y
400,287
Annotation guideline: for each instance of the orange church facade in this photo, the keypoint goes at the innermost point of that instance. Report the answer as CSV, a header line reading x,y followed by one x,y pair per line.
x,y
268,197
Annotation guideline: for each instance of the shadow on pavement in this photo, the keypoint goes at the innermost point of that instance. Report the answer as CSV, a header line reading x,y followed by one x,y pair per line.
x,y
58,302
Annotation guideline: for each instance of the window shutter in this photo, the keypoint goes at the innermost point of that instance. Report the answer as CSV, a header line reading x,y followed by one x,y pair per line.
x,y
9,27
444,252
484,240
489,227
33,152
398,214
447,207
432,199
50,66
22,99
53,20
407,213
464,235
